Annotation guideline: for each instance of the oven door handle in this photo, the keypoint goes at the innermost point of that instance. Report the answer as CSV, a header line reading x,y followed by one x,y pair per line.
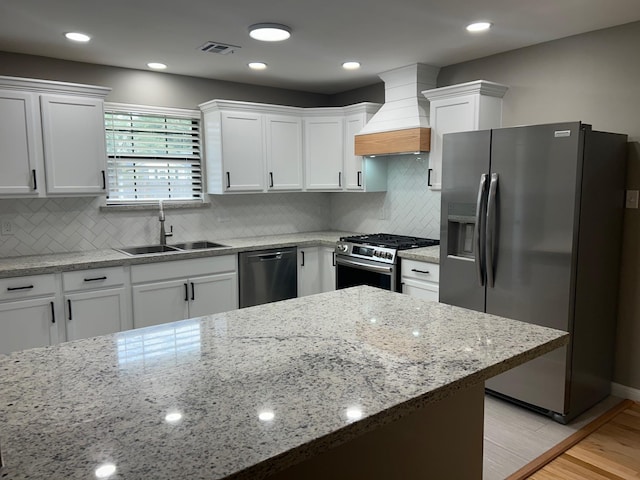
x,y
363,266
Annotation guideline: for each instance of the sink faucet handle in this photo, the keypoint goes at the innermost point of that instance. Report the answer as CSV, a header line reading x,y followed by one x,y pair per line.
x,y
170,233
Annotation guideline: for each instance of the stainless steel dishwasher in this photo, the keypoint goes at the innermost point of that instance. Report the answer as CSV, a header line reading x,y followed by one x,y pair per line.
x,y
267,276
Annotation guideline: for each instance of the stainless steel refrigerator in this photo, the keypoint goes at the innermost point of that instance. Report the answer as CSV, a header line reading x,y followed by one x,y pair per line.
x,y
531,230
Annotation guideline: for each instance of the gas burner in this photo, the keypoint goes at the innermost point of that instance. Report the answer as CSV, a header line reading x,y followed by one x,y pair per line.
x,y
398,242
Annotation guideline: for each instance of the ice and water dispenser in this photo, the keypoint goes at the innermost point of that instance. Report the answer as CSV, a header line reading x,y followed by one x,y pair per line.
x,y
461,223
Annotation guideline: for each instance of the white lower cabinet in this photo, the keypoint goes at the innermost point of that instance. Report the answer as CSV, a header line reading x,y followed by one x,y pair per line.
x,y
168,291
28,312
327,269
420,279
96,302
308,271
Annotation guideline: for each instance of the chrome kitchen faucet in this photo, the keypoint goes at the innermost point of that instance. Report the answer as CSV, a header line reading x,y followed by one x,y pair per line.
x,y
163,233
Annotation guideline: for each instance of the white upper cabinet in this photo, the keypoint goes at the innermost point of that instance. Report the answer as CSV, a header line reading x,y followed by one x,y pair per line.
x,y
20,147
284,152
460,108
324,152
255,147
52,140
361,174
74,145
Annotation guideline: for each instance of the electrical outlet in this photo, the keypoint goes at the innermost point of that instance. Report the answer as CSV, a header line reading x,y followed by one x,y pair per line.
x,y
632,199
7,227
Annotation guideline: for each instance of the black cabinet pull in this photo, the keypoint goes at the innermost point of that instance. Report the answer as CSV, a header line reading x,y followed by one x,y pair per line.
x,y
186,292
429,177
193,291
13,289
359,178
95,279
334,259
339,179
53,313
228,180
104,180
420,271
69,305
302,264
271,179
35,179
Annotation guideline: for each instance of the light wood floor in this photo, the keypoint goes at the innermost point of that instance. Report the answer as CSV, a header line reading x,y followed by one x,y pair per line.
x,y
611,452
513,436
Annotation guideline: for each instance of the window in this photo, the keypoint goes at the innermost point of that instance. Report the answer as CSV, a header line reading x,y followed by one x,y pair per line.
x,y
152,154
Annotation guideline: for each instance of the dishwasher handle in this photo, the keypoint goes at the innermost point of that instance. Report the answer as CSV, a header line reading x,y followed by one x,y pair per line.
x,y
265,257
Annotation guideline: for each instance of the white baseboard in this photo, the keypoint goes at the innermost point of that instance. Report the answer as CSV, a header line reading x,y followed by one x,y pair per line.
x,y
625,392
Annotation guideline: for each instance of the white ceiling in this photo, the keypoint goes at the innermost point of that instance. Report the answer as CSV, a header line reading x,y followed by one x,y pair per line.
x,y
381,34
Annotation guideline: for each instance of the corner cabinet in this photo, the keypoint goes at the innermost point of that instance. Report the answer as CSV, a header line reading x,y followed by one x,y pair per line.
x,y
52,139
459,108
254,147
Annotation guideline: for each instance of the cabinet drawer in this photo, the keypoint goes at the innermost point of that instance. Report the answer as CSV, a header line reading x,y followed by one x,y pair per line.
x,y
429,272
24,287
93,278
182,268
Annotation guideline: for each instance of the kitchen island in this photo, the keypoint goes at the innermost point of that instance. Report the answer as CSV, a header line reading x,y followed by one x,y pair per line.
x,y
356,383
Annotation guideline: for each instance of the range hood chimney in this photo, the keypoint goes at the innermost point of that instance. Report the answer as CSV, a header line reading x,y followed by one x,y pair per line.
x,y
402,123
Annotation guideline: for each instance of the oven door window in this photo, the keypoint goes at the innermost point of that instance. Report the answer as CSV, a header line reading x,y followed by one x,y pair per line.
x,y
350,276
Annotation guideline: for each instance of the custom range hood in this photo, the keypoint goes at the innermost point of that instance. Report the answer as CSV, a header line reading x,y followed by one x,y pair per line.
x,y
402,123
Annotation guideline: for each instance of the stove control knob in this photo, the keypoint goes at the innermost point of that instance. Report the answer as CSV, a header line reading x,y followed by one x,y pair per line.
x,y
343,248
389,255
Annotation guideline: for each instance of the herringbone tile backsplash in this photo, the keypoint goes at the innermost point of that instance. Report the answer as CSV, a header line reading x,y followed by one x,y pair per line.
x,y
76,224
408,207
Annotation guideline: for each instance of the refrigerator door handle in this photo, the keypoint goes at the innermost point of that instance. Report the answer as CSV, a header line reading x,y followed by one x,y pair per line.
x,y
491,229
478,239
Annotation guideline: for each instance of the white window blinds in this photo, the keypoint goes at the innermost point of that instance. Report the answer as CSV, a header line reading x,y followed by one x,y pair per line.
x,y
152,156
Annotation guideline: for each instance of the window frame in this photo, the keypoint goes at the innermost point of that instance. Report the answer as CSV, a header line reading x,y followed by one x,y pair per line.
x,y
170,112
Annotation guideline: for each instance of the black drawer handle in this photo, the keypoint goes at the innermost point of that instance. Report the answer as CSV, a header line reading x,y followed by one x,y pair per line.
x,y
95,279
53,313
69,305
13,289
35,180
420,271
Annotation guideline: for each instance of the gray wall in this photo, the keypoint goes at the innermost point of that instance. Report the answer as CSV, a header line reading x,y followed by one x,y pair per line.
x,y
151,88
594,78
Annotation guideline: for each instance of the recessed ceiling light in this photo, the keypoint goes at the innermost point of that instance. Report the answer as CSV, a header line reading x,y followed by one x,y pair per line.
x,y
269,32
156,66
77,37
478,27
257,66
351,65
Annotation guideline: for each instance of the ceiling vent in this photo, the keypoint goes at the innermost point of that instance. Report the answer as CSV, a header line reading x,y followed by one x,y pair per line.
x,y
217,47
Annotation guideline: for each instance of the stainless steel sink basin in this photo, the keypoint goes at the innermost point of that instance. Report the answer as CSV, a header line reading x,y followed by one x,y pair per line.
x,y
174,248
147,249
199,245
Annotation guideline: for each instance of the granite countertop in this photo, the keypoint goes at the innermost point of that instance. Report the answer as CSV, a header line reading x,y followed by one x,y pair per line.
x,y
61,262
423,254
240,394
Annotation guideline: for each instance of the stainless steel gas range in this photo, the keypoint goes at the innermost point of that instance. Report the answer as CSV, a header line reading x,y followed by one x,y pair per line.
x,y
373,259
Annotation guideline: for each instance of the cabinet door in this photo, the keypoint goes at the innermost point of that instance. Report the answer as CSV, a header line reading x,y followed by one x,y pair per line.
x,y
323,152
423,290
27,324
213,294
353,171
160,302
328,269
308,271
100,312
74,145
20,150
284,152
242,151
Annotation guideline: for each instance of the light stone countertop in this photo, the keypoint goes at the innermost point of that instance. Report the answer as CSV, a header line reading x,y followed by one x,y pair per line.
x,y
423,254
258,389
61,262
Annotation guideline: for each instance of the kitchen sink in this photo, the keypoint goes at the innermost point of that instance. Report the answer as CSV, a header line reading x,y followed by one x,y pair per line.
x,y
199,245
147,249
174,248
